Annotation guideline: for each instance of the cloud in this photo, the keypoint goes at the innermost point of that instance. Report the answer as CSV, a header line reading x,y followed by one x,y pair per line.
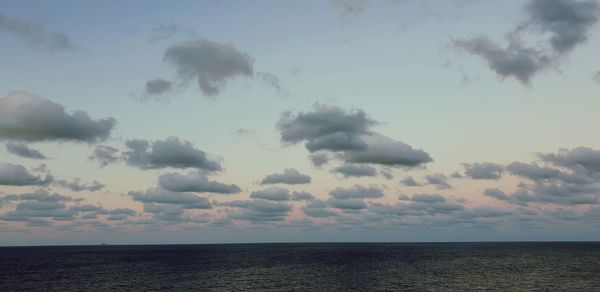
x,y
303,196
157,86
258,210
319,158
41,195
496,193
347,204
580,159
195,182
105,155
596,76
483,170
289,176
537,173
574,182
163,31
513,61
456,174
22,150
119,214
421,204
272,194
35,34
165,212
566,21
77,186
434,204
27,117
318,209
409,181
462,3
274,82
357,192
211,64
353,170
428,198
170,152
347,134
349,9
386,151
39,204
17,175
160,196
563,24
552,193
41,208
325,128
439,180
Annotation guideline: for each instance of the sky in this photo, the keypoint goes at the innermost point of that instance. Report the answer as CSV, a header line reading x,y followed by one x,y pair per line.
x,y
139,122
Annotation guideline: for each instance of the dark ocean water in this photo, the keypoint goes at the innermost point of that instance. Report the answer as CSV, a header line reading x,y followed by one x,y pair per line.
x,y
304,267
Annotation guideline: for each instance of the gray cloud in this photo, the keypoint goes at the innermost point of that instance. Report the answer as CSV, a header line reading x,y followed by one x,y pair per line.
x,y
462,3
318,209
160,196
77,186
211,64
456,174
22,150
353,170
325,128
552,193
33,209
164,31
289,176
319,158
420,205
303,196
195,182
580,159
165,212
41,208
357,192
574,182
409,181
439,180
27,117
514,61
258,210
347,204
170,152
567,21
537,173
567,24
272,194
17,175
596,76
40,195
349,9
274,82
496,193
105,155
157,86
428,198
483,170
39,204
35,34
386,151
348,134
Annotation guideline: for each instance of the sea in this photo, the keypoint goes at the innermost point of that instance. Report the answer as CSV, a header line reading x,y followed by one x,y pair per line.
x,y
506,266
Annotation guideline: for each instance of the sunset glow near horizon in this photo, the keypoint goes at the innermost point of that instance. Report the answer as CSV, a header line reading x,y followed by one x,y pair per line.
x,y
276,121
